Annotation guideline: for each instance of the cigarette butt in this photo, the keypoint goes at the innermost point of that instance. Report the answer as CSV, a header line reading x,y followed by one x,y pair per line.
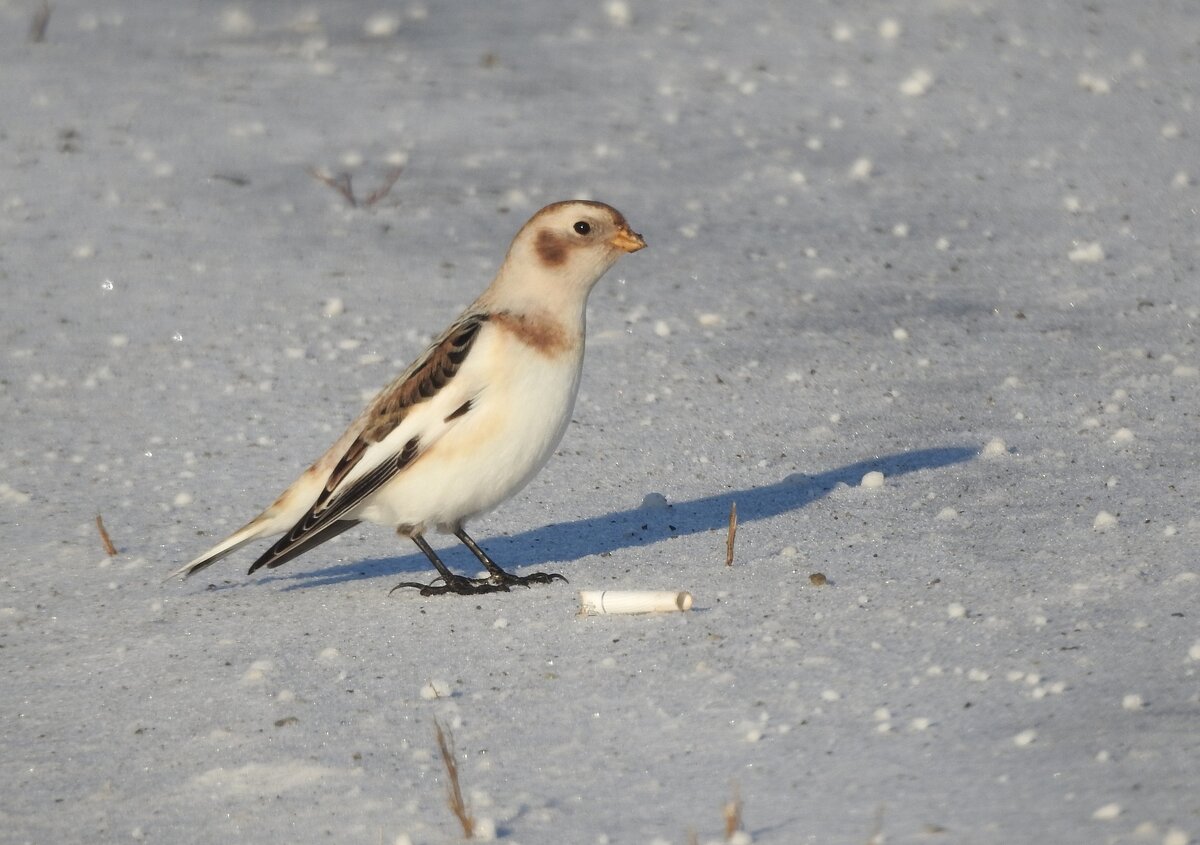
x,y
633,601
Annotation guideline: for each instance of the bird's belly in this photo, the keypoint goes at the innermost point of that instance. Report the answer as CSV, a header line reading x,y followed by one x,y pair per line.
x,y
490,454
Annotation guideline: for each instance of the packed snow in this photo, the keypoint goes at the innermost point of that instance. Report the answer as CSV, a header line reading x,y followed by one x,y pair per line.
x,y
921,298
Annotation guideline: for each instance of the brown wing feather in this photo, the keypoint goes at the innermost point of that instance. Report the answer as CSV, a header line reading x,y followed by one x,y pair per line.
x,y
317,527
429,374
420,382
425,378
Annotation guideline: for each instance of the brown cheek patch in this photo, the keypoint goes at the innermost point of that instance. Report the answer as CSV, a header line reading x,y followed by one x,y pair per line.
x,y
550,248
546,336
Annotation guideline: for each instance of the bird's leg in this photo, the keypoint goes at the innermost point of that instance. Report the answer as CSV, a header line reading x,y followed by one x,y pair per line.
x,y
451,583
498,575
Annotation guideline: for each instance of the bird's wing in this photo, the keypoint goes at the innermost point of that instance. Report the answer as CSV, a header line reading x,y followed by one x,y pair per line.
x,y
380,449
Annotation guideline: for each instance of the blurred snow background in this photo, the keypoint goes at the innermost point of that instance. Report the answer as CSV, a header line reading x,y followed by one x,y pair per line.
x,y
954,243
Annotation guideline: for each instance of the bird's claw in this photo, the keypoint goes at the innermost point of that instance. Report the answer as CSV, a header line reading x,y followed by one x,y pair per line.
x,y
498,583
458,585
530,579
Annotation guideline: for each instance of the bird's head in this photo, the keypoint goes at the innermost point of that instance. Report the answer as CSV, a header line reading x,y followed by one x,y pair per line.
x,y
563,251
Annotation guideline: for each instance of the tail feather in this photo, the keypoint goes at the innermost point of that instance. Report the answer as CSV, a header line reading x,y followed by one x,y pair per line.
x,y
288,548
246,534
289,507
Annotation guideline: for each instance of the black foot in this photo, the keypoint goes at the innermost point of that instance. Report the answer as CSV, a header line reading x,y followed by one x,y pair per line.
x,y
461,586
529,580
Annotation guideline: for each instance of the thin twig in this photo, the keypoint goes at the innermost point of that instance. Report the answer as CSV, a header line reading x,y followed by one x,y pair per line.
x,y
732,811
732,534
340,183
41,19
109,548
382,191
453,791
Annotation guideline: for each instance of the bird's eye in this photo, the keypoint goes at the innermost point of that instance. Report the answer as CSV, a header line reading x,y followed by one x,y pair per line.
x,y
583,227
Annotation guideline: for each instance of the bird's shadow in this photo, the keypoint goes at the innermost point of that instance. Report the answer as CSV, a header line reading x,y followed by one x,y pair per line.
x,y
646,524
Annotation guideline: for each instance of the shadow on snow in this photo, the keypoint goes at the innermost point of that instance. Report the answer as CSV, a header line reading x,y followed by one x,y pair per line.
x,y
641,526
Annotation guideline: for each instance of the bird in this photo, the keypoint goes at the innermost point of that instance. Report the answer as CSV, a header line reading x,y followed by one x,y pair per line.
x,y
470,422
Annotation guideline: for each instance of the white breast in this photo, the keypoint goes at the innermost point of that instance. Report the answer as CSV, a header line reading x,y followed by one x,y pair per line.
x,y
522,401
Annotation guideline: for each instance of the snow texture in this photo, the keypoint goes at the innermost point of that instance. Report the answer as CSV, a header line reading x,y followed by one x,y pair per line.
x,y
950,242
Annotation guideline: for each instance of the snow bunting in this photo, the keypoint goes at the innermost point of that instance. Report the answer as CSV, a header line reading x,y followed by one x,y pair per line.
x,y
471,421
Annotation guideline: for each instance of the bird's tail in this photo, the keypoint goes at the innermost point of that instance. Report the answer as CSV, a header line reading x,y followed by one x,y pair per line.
x,y
247,533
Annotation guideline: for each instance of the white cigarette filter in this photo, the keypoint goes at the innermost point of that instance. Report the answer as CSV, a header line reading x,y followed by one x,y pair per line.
x,y
633,601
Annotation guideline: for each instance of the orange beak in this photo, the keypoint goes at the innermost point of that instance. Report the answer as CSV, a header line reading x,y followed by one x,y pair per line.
x,y
628,240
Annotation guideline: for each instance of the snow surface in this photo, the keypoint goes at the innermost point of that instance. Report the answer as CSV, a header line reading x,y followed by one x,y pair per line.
x,y
951,242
